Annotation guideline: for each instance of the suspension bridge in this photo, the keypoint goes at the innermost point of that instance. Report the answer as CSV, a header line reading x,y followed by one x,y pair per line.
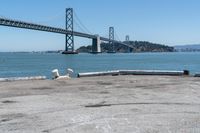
x,y
68,32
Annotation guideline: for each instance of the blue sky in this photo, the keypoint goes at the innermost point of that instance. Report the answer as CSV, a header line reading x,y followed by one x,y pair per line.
x,y
170,22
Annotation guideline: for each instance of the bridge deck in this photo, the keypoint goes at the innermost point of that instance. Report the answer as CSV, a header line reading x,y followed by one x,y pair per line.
x,y
32,26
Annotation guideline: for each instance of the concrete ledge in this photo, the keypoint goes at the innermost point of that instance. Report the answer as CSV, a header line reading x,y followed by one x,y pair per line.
x,y
197,75
135,72
92,74
153,72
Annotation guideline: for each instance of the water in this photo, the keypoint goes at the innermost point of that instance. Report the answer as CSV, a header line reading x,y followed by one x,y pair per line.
x,y
34,64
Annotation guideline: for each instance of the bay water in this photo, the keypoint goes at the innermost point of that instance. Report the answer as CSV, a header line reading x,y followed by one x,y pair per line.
x,y
41,64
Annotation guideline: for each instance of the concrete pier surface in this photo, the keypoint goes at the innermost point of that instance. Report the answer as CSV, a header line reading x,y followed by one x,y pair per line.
x,y
107,104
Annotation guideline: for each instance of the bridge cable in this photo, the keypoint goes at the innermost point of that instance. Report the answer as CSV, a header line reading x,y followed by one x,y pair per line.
x,y
84,27
49,19
117,37
79,27
4,17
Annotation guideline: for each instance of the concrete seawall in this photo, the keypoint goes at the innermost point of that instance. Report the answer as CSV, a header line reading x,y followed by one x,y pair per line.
x,y
106,104
135,72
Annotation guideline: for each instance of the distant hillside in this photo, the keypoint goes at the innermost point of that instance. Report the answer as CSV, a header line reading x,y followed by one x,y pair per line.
x,y
139,46
188,48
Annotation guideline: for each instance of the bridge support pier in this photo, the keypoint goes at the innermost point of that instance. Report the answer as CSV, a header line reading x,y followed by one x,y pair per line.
x,y
130,50
96,45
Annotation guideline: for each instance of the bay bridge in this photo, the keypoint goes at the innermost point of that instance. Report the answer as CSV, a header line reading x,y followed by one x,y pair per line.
x,y
68,32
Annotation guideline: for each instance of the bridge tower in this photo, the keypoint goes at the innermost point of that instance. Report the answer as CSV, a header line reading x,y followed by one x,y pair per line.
x,y
96,45
111,38
127,38
69,46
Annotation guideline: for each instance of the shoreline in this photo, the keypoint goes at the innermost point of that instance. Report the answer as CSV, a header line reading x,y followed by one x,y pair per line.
x,y
57,76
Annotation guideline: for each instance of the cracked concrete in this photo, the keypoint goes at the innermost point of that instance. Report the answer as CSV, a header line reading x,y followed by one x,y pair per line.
x,y
108,104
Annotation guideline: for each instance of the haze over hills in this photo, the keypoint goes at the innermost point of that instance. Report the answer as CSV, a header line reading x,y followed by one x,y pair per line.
x,y
188,48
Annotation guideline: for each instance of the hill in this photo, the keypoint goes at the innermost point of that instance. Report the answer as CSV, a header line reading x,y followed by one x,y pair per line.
x,y
139,46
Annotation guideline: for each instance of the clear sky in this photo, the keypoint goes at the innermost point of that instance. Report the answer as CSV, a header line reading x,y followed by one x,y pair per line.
x,y
170,22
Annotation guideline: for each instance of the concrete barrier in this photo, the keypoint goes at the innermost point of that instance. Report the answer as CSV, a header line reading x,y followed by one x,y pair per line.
x,y
197,75
135,72
104,73
154,72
